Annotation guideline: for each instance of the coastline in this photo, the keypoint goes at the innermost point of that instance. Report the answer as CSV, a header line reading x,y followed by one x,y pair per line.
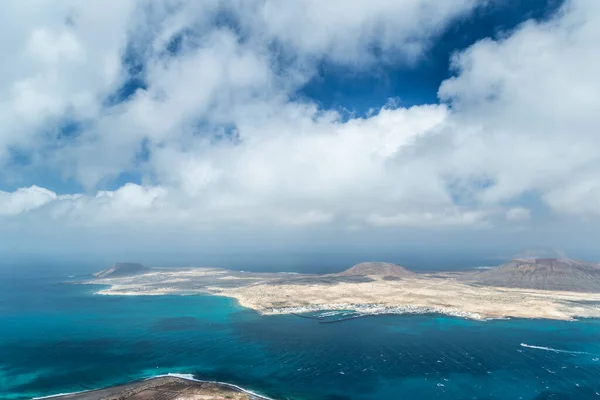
x,y
510,304
364,310
184,377
190,377
272,294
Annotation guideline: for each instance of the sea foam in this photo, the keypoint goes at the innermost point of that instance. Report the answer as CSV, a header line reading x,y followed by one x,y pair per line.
x,y
57,395
529,346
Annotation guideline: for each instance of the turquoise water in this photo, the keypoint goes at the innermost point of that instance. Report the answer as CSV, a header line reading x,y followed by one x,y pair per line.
x,y
57,338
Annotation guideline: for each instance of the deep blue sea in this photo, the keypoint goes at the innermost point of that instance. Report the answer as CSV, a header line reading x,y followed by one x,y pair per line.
x,y
57,338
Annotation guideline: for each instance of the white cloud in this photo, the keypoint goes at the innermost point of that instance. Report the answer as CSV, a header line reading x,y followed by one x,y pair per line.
x,y
126,203
229,145
347,32
59,60
313,217
452,217
580,197
518,214
24,199
525,106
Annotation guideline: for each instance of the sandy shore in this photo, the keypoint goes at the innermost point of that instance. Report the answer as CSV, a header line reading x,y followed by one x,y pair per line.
x,y
424,293
443,296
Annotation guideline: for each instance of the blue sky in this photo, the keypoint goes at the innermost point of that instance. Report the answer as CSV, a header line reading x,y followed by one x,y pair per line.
x,y
417,83
415,126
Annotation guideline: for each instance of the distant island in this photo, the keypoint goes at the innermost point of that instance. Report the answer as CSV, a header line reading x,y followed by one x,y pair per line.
x,y
122,269
551,288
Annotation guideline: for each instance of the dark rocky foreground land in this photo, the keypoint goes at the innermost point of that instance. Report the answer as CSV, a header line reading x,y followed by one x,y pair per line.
x,y
165,388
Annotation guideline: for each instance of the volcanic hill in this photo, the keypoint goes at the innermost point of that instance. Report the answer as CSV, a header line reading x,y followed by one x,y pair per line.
x,y
386,270
542,273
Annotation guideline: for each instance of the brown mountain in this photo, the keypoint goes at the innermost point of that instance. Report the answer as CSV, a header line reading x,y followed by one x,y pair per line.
x,y
122,269
543,273
386,270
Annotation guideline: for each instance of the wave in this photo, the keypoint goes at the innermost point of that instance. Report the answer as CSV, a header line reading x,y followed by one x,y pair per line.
x,y
529,346
57,395
187,377
190,377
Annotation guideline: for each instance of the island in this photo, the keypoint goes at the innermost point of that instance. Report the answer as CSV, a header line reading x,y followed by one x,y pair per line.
x,y
561,289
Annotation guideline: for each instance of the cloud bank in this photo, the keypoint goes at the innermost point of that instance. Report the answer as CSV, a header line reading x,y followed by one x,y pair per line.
x,y
184,116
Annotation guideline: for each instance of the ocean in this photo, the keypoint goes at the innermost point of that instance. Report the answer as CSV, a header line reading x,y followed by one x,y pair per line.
x,y
60,338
